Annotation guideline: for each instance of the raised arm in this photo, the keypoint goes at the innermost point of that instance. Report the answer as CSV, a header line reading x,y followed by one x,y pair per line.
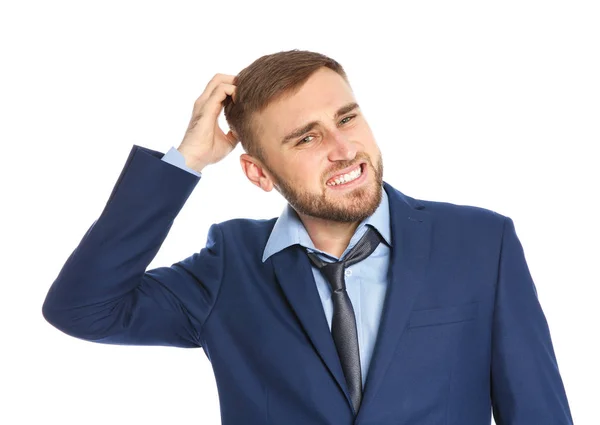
x,y
103,292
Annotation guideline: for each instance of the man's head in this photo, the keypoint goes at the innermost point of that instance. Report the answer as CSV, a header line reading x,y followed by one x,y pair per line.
x,y
283,92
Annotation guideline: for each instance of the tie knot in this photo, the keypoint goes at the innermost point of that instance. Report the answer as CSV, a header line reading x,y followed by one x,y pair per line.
x,y
334,272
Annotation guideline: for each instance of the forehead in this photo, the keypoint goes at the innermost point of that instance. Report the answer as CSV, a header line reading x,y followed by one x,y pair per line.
x,y
318,99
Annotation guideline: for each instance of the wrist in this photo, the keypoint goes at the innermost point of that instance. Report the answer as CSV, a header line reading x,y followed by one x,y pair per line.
x,y
191,161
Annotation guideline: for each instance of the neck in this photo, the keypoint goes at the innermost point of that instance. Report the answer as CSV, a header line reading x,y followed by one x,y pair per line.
x,y
329,236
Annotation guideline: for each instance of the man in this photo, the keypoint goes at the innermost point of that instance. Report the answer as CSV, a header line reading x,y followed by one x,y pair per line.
x,y
358,305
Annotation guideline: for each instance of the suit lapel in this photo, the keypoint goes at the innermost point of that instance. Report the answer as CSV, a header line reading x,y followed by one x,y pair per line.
x,y
411,236
294,274
411,231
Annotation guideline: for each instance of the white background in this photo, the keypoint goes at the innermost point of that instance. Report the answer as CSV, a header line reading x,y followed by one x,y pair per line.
x,y
493,104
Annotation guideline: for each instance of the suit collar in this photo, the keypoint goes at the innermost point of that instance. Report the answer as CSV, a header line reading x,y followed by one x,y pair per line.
x,y
410,239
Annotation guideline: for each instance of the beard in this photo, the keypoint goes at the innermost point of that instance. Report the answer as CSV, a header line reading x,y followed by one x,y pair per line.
x,y
354,206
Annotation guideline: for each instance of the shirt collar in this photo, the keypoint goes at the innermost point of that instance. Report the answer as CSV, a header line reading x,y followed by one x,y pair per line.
x,y
289,230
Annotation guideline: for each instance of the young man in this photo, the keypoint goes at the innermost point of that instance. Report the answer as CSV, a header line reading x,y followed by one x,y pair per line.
x,y
358,305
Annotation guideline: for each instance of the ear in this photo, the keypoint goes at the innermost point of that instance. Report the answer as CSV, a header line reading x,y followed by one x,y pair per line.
x,y
256,172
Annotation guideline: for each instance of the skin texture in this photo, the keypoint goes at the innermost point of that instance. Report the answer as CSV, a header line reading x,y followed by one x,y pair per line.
x,y
300,171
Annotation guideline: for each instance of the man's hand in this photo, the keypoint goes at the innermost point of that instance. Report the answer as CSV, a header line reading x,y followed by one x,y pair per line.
x,y
204,142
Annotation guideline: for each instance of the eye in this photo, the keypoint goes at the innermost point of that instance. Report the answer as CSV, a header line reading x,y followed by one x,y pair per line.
x,y
302,141
350,116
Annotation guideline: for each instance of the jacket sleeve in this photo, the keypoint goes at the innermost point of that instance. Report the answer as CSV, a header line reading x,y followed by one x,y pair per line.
x,y
104,293
526,384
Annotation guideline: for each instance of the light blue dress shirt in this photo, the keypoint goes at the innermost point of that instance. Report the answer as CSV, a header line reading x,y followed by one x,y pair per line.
x,y
366,281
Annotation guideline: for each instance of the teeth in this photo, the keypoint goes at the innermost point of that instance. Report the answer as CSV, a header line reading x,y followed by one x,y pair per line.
x,y
346,177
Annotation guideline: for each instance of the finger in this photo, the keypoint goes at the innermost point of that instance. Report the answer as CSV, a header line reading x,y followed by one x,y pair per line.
x,y
214,104
213,83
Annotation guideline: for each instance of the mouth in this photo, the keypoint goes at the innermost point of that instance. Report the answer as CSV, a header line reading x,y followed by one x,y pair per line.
x,y
351,179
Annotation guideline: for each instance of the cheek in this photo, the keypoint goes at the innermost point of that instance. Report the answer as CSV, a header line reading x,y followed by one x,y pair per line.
x,y
307,170
302,162
367,135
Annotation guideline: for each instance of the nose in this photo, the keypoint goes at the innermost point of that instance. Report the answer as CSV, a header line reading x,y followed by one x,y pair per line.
x,y
341,149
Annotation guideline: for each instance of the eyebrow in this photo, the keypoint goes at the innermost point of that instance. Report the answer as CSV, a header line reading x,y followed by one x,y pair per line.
x,y
309,126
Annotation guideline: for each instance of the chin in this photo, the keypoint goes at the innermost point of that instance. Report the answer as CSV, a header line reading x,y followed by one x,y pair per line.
x,y
343,204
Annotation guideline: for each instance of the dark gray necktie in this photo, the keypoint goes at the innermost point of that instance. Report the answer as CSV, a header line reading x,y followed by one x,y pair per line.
x,y
343,324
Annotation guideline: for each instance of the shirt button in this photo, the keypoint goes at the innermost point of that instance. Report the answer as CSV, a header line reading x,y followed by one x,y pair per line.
x,y
348,272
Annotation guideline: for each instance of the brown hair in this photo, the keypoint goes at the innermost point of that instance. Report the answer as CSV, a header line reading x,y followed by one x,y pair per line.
x,y
268,79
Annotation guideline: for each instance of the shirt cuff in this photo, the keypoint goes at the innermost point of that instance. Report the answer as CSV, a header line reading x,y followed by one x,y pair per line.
x,y
176,158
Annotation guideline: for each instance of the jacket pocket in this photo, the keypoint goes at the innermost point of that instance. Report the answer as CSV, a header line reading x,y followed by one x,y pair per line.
x,y
443,315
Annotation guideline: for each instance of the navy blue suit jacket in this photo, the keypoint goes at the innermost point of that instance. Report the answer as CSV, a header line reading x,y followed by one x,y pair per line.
x,y
462,333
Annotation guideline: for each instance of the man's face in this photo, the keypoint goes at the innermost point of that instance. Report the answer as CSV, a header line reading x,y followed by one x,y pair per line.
x,y
304,167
